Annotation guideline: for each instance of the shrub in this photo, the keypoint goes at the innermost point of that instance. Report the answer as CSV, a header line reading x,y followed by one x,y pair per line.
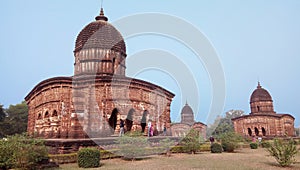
x,y
132,147
23,152
230,141
166,145
253,145
265,144
191,142
88,158
6,152
228,146
216,148
283,151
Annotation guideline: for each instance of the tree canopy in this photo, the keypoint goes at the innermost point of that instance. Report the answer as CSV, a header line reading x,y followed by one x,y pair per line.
x,y
16,120
2,113
224,124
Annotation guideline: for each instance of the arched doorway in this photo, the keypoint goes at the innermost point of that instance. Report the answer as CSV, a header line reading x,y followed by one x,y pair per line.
x,y
263,130
249,132
144,121
46,114
39,116
129,120
256,131
46,118
113,118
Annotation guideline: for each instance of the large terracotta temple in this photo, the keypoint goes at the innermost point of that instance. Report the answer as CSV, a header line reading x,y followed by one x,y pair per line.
x,y
92,101
263,120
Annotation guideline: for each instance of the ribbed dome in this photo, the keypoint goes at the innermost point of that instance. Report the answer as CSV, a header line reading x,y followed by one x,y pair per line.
x,y
187,110
260,94
100,34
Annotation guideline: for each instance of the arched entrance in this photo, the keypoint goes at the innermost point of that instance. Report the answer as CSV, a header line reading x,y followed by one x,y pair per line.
x,y
46,115
144,121
249,132
263,130
113,118
256,131
129,120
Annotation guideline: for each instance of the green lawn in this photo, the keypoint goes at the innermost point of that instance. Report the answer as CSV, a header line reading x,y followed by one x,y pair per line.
x,y
244,159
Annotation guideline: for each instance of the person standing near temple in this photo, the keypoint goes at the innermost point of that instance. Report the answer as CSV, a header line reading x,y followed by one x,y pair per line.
x,y
121,127
165,130
211,139
149,128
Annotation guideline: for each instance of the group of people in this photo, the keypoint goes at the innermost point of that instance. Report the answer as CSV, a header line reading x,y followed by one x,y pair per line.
x,y
150,129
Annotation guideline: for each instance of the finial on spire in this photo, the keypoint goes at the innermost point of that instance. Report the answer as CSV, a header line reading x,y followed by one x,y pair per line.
x,y
186,102
101,12
258,85
101,16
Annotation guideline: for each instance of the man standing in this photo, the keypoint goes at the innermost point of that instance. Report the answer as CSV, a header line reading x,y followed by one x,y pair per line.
x,y
211,139
121,127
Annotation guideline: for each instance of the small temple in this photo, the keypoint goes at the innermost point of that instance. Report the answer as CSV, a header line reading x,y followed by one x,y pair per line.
x,y
263,120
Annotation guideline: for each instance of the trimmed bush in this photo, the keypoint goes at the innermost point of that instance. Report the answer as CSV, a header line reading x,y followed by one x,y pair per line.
x,y
88,158
177,149
228,146
216,148
205,147
253,145
283,151
265,144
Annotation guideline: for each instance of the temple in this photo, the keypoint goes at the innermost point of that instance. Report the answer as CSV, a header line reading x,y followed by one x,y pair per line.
x,y
91,103
187,123
263,120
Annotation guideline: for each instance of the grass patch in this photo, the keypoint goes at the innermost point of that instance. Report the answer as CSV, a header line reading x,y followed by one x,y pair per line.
x,y
244,159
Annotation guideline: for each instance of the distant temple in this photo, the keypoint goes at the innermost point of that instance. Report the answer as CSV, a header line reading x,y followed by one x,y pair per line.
x,y
92,101
187,123
263,120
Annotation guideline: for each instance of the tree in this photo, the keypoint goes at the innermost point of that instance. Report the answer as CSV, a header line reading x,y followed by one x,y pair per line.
x,y
224,124
2,113
16,121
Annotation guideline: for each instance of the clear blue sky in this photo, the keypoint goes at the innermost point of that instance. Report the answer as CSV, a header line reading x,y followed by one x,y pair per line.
x,y
254,40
